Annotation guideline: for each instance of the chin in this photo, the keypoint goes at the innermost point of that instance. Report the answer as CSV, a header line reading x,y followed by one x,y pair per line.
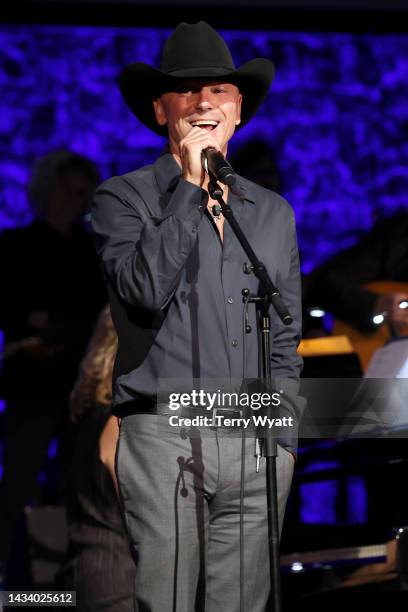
x,y
221,141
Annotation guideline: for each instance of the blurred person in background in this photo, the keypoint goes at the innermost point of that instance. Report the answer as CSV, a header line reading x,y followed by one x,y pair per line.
x,y
255,160
99,566
366,289
52,292
340,284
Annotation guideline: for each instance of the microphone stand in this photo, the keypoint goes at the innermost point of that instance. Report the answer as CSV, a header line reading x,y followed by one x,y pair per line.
x,y
265,442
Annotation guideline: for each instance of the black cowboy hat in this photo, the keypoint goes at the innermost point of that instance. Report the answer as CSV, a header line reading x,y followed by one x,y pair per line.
x,y
193,51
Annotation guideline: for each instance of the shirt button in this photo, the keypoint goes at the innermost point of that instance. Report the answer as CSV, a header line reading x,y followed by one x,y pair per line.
x,y
230,300
234,343
225,257
195,228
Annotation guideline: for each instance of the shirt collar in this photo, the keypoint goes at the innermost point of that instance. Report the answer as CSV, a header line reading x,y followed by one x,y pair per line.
x,y
243,190
168,172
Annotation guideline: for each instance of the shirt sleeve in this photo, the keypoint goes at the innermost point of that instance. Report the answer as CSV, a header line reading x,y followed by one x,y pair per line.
x,y
143,254
286,363
285,360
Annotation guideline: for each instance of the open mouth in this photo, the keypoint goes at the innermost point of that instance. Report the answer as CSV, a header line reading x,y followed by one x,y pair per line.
x,y
205,124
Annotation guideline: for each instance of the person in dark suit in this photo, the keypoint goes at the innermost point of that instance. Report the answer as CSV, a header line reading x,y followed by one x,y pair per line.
x,y
175,273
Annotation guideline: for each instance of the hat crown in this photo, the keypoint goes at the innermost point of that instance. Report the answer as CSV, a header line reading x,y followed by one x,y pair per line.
x,y
195,46
198,52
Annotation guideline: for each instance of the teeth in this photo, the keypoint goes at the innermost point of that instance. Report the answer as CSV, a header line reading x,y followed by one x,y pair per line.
x,y
206,122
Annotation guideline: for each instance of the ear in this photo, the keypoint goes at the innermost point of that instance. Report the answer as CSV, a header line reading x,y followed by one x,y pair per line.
x,y
159,111
239,107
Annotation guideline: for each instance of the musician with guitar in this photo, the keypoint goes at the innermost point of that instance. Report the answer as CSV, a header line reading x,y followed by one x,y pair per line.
x,y
349,286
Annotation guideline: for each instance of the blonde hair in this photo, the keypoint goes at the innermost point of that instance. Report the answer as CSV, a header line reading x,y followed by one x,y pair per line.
x,y
94,384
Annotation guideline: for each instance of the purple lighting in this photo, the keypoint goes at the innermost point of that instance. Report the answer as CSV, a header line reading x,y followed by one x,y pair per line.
x,y
335,118
318,502
53,449
357,500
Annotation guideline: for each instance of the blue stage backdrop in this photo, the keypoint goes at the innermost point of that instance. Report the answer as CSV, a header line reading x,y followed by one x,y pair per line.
x,y
336,118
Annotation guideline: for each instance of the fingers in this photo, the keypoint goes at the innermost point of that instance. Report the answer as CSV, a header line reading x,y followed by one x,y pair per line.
x,y
191,147
199,135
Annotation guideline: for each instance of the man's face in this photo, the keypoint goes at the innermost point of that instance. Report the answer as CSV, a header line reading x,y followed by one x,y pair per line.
x,y
71,196
214,106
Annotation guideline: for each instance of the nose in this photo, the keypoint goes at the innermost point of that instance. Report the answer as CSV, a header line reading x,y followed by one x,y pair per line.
x,y
205,99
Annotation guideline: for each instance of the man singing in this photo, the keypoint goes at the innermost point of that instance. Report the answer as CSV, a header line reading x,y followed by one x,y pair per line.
x,y
195,507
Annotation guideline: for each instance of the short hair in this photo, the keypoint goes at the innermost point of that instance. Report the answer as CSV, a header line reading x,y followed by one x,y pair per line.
x,y
49,168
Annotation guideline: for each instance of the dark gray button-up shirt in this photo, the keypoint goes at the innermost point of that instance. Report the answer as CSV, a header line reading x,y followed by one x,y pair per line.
x,y
175,288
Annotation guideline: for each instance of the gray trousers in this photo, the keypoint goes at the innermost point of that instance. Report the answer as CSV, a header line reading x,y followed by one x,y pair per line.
x,y
180,490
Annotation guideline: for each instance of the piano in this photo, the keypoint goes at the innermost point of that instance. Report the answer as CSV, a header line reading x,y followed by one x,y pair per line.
x,y
358,564
349,567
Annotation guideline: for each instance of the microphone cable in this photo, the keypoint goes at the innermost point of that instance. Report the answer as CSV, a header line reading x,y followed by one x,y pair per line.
x,y
246,328
183,464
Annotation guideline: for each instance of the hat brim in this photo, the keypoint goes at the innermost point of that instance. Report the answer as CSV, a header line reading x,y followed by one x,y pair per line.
x,y
140,83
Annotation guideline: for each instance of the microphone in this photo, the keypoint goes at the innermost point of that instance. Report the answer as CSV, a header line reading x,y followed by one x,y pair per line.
x,y
217,167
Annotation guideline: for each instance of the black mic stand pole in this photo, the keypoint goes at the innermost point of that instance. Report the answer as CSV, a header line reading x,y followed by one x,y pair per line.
x,y
268,443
